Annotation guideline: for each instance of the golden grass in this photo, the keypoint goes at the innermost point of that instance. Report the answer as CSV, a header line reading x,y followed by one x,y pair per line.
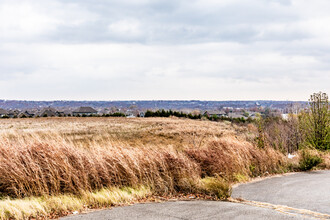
x,y
229,156
43,169
86,132
44,162
53,206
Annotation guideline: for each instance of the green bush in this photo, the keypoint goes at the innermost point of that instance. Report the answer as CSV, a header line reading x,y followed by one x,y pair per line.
x,y
308,161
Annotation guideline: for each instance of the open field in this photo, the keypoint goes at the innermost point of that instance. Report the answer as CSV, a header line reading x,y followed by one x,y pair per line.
x,y
47,158
88,132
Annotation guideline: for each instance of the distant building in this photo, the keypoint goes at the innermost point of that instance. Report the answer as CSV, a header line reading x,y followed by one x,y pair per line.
x,y
67,113
236,115
217,113
84,111
253,115
60,114
13,113
48,112
3,112
25,114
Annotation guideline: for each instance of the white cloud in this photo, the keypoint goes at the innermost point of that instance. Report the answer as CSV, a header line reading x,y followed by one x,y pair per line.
x,y
22,20
127,28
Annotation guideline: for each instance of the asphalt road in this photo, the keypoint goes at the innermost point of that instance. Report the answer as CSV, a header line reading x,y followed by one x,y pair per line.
x,y
308,190
185,210
297,196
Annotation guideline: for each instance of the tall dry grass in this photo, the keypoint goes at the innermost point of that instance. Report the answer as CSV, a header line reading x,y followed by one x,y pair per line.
x,y
42,157
42,169
228,157
54,156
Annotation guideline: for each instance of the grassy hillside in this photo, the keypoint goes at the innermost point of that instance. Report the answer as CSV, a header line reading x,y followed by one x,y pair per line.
x,y
99,162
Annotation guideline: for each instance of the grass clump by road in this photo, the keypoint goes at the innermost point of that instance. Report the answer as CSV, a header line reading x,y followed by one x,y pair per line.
x,y
309,160
216,186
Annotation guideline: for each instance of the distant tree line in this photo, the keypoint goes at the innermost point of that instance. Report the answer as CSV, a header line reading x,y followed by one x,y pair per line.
x,y
168,113
115,114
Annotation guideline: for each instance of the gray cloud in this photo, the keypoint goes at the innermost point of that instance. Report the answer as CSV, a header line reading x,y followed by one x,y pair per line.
x,y
144,49
164,21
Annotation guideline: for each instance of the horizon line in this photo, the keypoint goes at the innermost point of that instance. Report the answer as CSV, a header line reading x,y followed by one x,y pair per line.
x,y
150,100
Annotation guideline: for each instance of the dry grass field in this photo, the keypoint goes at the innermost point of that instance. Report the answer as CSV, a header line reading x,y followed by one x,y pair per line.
x,y
58,165
87,132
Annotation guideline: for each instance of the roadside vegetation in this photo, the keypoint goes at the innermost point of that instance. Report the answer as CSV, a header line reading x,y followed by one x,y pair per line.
x,y
307,132
54,166
54,206
309,128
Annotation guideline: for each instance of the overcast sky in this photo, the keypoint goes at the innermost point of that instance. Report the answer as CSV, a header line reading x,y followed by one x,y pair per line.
x,y
167,49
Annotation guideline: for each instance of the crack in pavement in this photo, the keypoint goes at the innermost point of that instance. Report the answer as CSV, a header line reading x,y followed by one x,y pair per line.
x,y
282,208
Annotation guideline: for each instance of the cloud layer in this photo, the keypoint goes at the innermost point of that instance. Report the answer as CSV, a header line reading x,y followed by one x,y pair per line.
x,y
209,50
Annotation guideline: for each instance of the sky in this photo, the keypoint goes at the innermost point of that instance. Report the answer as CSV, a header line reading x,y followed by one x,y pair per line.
x,y
165,49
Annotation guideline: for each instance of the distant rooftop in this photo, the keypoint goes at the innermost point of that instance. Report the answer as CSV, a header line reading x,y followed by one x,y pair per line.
x,y
85,110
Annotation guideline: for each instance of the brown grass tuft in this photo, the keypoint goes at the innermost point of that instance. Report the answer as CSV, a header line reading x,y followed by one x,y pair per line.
x,y
229,156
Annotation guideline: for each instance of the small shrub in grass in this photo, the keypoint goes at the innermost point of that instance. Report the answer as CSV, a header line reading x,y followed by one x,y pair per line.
x,y
252,169
293,167
308,161
216,186
238,177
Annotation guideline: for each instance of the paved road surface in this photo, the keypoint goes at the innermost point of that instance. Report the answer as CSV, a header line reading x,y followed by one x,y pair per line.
x,y
274,198
185,210
310,190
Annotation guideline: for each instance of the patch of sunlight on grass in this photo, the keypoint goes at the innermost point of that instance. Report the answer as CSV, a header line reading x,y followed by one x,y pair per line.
x,y
45,205
241,178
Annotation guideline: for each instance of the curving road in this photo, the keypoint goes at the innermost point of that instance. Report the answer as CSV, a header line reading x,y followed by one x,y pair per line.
x,y
297,196
310,190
